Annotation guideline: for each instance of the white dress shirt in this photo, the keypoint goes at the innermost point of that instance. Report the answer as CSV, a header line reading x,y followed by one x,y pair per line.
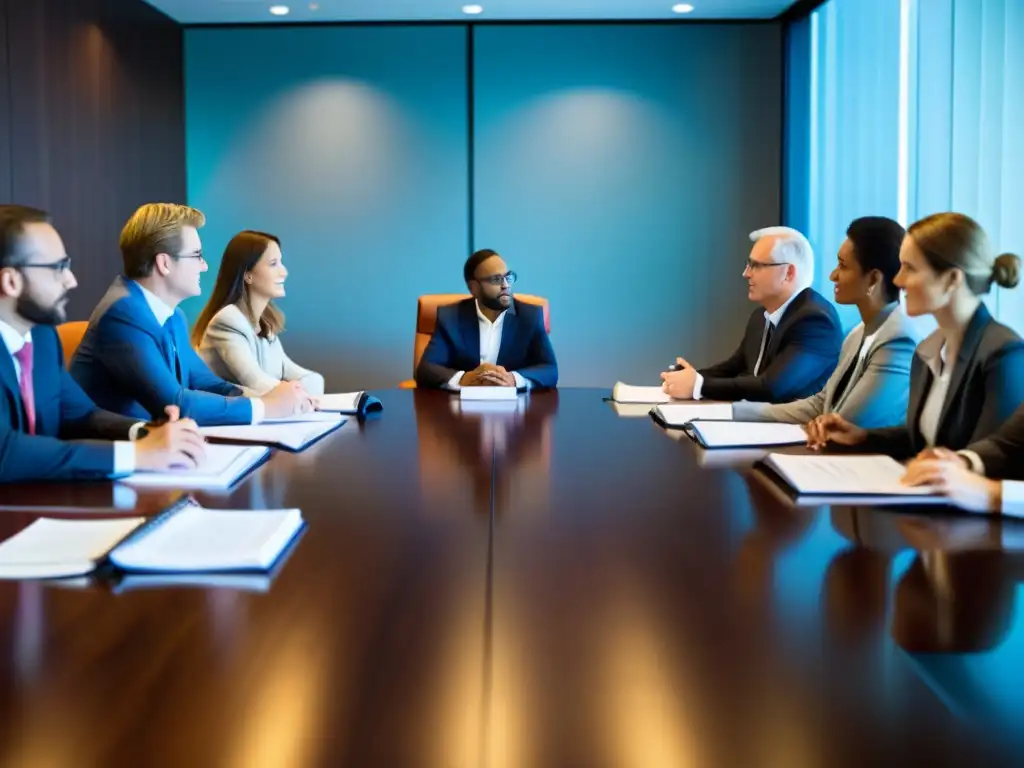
x,y
933,351
1013,490
490,345
770,317
163,313
124,451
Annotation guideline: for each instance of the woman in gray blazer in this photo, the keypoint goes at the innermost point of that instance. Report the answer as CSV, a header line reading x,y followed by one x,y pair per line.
x,y
967,378
869,386
238,332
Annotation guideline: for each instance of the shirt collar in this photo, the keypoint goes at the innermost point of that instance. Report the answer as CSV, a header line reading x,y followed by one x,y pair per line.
x,y
933,351
158,306
775,317
500,319
12,339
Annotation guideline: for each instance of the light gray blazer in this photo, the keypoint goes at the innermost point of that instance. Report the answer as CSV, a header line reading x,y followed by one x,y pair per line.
x,y
235,352
878,391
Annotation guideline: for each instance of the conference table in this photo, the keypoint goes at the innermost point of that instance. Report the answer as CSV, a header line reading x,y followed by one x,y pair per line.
x,y
550,582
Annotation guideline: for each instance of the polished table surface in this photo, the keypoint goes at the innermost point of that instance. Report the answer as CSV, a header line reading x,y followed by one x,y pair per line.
x,y
554,585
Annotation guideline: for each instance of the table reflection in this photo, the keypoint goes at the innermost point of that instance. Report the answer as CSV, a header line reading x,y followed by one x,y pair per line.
x,y
487,447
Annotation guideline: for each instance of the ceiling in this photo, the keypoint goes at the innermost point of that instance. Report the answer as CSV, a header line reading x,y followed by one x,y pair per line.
x,y
258,11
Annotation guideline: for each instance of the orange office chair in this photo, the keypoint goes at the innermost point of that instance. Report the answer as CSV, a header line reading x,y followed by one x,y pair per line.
x,y
426,319
70,337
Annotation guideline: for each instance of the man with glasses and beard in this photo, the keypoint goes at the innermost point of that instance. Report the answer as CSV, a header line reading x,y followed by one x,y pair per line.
x,y
491,339
49,428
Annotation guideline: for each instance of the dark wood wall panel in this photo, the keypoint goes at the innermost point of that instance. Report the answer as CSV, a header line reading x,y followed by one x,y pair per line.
x,y
5,113
96,124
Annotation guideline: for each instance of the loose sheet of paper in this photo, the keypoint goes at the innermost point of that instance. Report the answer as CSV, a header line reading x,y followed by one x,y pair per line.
x,y
50,548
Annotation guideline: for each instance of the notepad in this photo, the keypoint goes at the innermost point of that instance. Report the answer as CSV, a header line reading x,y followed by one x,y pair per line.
x,y
350,403
185,539
293,436
53,549
681,414
744,434
223,467
627,393
859,478
488,393
196,539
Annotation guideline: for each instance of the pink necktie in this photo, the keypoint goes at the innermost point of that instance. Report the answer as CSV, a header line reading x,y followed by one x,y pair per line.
x,y
28,399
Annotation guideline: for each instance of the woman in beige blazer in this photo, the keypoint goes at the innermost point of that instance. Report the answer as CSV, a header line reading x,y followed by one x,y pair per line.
x,y
870,384
238,332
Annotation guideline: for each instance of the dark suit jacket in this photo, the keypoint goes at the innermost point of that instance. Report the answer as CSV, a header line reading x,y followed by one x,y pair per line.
x,y
802,354
63,413
1003,451
129,364
986,387
455,345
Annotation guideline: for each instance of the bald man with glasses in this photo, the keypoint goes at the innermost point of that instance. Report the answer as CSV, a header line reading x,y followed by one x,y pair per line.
x,y
491,339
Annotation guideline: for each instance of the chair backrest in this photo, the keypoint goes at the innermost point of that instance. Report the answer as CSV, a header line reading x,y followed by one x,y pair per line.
x,y
426,317
70,337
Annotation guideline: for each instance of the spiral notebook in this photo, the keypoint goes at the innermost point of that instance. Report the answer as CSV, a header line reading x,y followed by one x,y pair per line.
x,y
187,538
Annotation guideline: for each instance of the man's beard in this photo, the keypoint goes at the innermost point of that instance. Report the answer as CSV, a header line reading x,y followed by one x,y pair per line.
x,y
31,310
495,303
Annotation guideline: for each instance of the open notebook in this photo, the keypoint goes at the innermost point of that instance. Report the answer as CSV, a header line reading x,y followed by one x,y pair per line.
x,y
291,436
223,467
627,393
744,434
680,414
847,479
187,538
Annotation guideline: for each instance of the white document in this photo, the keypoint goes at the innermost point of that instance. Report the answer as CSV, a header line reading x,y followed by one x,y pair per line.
x,y
293,436
745,434
53,549
681,414
321,416
198,539
844,475
224,464
488,393
346,402
626,393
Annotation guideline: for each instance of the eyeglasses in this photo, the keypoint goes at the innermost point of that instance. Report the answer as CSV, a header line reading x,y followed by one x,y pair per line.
x,y
60,267
196,255
753,266
496,280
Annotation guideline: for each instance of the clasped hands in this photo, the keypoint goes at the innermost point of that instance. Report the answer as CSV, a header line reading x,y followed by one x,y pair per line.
x,y
679,384
487,375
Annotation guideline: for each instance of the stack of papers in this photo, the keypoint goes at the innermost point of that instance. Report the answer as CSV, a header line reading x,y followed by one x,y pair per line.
x,y
223,467
291,436
350,403
488,393
745,434
626,393
681,414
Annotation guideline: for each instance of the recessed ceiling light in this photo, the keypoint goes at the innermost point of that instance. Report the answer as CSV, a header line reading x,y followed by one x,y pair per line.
x,y
314,6
472,10
279,10
682,8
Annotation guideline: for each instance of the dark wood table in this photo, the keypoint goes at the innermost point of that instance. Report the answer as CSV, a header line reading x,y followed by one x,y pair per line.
x,y
553,585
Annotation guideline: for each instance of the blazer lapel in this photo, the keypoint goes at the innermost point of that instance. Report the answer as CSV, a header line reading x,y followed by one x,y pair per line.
x,y
787,319
470,327
10,381
40,384
919,385
852,358
509,328
964,356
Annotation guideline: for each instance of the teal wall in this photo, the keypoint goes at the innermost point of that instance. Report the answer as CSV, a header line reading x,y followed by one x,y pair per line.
x,y
618,168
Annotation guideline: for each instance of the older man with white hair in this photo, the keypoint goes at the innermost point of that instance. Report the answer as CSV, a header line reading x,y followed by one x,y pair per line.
x,y
791,345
